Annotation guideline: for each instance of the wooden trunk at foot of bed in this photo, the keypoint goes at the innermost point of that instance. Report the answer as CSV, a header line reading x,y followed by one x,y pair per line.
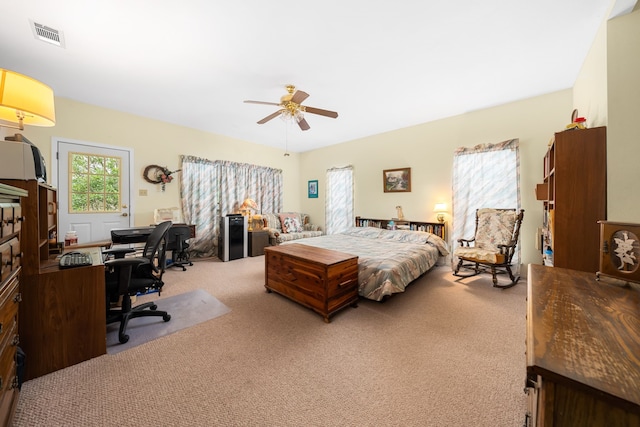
x,y
320,279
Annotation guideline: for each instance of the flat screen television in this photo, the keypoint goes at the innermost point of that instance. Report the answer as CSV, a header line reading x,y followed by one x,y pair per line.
x,y
32,154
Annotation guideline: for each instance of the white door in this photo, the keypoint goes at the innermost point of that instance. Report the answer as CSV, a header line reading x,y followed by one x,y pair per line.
x,y
93,189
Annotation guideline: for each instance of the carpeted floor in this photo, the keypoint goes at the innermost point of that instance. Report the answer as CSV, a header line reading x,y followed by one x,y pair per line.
x,y
444,353
186,310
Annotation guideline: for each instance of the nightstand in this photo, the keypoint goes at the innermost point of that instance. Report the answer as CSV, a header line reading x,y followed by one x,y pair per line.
x,y
258,240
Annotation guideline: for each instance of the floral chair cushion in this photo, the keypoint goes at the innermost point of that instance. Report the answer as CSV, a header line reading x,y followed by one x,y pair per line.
x,y
495,227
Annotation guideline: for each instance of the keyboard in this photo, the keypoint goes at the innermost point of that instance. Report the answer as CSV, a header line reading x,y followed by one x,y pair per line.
x,y
75,259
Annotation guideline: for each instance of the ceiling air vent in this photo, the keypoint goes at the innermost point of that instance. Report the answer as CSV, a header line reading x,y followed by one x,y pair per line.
x,y
47,34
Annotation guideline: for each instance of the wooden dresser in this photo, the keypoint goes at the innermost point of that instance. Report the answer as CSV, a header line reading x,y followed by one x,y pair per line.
x,y
63,312
583,350
320,279
10,297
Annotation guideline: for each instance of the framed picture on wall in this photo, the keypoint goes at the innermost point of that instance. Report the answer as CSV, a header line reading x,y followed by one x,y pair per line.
x,y
313,189
396,180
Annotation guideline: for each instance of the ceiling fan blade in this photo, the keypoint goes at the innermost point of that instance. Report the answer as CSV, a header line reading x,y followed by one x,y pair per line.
x,y
321,112
303,124
270,116
299,96
262,103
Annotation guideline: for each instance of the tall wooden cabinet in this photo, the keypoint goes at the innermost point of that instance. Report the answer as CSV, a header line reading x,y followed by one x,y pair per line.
x,y
574,193
10,297
63,312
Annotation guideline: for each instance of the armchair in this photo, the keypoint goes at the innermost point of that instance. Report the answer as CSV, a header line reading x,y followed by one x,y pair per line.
x,y
127,276
494,244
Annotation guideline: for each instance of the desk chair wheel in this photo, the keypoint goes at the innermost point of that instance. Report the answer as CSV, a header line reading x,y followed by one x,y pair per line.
x,y
165,317
123,338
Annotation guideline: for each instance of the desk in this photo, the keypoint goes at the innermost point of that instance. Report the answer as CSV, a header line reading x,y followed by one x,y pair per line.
x,y
63,319
140,234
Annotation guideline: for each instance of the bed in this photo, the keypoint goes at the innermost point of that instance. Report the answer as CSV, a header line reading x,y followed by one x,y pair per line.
x,y
388,260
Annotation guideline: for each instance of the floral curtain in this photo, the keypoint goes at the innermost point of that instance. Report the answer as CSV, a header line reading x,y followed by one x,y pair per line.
x,y
339,200
484,176
212,189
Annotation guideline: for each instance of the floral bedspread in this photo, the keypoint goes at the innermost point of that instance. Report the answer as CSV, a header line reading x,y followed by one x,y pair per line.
x,y
388,260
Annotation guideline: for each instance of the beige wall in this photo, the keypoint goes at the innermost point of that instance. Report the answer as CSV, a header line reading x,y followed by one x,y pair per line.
x,y
623,154
160,143
428,150
590,89
607,91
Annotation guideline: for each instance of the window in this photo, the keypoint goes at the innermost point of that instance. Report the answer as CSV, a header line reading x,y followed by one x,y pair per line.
x,y
339,201
485,176
94,181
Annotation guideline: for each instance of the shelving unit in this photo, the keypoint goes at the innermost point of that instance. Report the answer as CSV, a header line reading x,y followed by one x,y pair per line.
x,y
63,312
574,197
437,228
41,215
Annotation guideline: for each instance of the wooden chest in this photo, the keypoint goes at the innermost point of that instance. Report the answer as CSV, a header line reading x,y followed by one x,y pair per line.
x,y
320,279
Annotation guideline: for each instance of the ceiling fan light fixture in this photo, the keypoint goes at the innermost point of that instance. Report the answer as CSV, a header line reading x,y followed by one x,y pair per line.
x,y
292,110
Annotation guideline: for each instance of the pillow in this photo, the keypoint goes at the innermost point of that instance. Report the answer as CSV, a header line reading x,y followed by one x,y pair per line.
x,y
290,223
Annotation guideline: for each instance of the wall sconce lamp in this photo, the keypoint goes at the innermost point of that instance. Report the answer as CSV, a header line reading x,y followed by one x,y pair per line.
x,y
440,209
25,101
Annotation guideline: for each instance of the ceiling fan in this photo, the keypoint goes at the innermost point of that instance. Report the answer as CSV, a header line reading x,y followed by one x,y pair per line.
x,y
290,107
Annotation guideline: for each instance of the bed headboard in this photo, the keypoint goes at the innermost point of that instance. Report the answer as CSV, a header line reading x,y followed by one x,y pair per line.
x,y
437,228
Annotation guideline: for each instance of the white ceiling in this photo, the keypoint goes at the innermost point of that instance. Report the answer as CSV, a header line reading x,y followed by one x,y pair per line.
x,y
382,65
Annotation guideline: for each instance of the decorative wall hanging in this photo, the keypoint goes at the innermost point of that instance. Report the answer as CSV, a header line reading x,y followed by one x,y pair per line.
x,y
396,180
313,189
155,174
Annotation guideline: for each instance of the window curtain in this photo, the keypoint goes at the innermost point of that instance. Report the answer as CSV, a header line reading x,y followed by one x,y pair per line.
x,y
212,189
484,176
339,200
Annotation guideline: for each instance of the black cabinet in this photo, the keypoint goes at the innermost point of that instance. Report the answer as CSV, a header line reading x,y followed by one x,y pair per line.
x,y
258,240
232,241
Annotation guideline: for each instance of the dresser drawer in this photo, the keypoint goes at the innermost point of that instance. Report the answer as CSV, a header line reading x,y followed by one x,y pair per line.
x,y
9,301
16,254
8,379
5,260
10,213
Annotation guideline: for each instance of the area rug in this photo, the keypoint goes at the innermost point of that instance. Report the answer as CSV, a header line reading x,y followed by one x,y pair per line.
x,y
186,310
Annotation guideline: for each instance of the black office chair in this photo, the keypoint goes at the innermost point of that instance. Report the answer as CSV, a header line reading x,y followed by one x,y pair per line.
x,y
128,276
177,244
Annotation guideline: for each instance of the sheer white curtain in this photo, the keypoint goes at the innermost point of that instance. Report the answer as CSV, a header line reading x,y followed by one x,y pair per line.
x,y
211,189
339,200
484,176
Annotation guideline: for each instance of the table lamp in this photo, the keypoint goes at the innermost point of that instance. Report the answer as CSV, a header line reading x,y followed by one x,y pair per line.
x,y
440,209
247,206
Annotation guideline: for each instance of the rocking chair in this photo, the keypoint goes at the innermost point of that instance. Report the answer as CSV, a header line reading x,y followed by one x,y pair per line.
x,y
494,245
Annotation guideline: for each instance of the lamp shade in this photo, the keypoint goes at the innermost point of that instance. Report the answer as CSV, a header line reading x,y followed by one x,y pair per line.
x,y
440,207
249,204
22,96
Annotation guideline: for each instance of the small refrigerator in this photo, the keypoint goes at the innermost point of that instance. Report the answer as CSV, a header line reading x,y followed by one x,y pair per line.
x,y
232,241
